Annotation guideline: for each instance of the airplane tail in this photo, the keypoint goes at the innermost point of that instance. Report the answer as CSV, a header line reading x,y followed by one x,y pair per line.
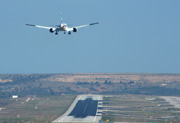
x,y
61,18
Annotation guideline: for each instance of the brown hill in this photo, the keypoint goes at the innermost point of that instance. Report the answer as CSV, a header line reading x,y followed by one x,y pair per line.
x,y
114,77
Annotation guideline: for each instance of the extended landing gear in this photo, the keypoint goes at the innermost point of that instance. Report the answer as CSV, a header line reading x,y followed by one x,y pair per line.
x,y
56,33
69,33
64,32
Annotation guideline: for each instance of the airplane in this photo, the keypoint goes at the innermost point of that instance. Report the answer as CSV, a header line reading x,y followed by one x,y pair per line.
x,y
62,27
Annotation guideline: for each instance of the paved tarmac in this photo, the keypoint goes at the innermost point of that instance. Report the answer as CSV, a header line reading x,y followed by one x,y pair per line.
x,y
173,100
83,109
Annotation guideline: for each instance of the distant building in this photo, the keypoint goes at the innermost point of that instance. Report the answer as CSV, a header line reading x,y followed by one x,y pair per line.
x,y
14,96
163,84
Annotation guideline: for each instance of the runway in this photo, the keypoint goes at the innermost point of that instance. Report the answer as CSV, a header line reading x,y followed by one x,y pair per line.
x,y
173,100
83,109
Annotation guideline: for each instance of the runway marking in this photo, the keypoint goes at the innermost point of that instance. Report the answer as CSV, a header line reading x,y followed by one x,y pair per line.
x,y
85,108
62,118
97,109
95,119
79,97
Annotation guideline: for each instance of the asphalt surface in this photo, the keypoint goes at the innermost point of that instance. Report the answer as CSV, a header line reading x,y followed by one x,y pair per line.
x,y
85,108
173,100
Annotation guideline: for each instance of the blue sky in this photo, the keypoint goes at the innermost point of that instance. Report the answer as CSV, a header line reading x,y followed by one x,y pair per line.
x,y
134,36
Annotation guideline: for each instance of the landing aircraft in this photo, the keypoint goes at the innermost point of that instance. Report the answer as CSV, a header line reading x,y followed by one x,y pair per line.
x,y
62,27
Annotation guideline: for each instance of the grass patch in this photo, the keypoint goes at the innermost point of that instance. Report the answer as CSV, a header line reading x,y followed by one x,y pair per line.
x,y
39,109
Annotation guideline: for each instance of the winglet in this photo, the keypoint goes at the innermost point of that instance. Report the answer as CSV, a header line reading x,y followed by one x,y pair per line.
x,y
30,25
94,23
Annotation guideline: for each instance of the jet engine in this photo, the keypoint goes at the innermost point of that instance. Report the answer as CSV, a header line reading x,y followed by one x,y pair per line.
x,y
51,30
75,29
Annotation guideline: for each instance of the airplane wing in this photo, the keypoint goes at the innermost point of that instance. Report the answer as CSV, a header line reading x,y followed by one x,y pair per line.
x,y
86,25
44,27
70,29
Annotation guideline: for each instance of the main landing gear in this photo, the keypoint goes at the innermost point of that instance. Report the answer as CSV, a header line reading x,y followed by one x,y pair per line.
x,y
69,33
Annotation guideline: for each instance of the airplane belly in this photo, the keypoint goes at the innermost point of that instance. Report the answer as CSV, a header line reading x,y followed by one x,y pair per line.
x,y
62,29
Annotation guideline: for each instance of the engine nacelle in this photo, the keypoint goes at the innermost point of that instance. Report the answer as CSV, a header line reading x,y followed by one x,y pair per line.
x,y
75,29
51,30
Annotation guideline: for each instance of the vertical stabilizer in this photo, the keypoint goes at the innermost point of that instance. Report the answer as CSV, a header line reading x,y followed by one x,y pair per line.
x,y
61,18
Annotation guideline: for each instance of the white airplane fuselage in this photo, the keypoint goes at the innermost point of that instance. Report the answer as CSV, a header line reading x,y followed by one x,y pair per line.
x,y
63,27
